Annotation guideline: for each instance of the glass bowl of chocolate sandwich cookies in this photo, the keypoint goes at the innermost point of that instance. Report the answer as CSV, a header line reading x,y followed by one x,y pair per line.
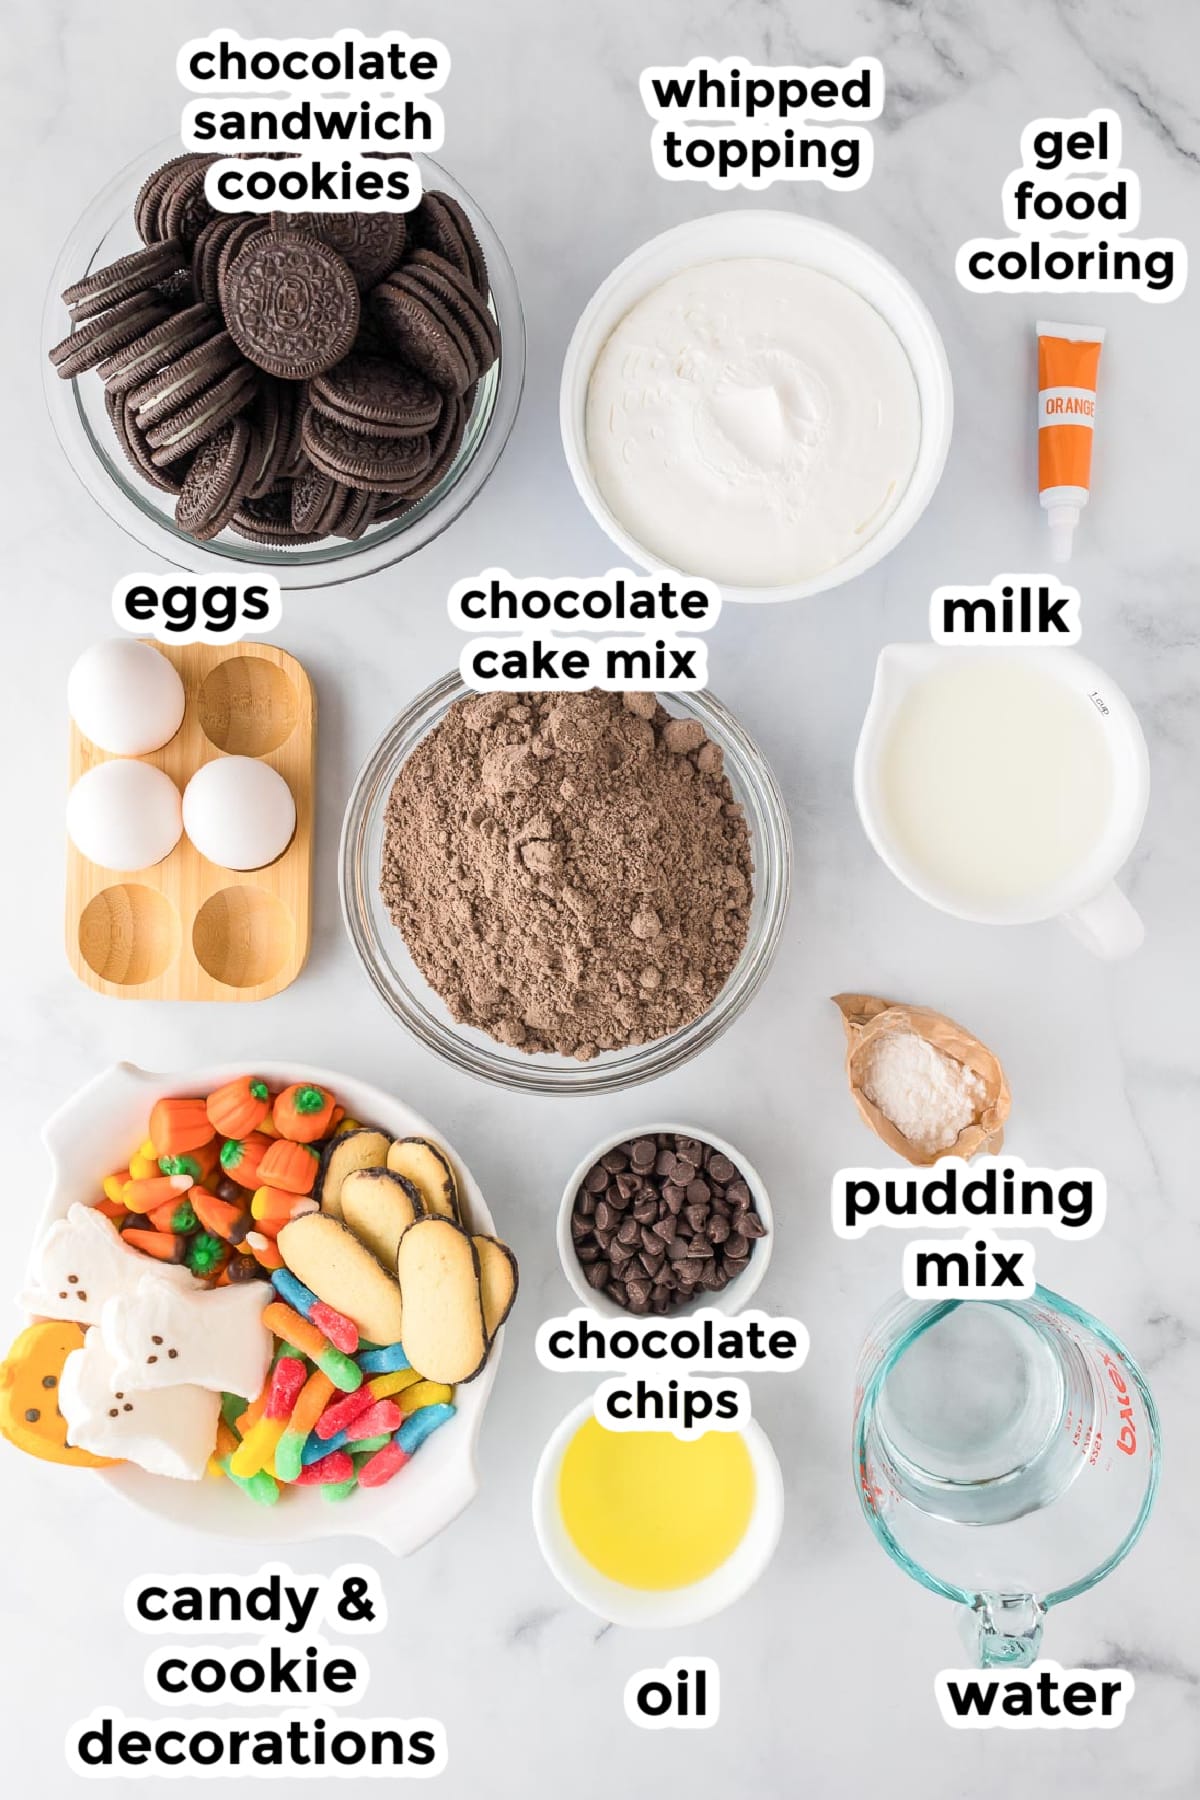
x,y
565,892
320,393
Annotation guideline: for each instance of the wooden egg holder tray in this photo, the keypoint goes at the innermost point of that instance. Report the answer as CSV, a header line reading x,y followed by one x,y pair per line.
x,y
186,929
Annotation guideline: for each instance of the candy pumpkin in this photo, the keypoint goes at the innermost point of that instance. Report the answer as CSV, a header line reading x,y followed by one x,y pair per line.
x,y
179,1125
303,1112
239,1107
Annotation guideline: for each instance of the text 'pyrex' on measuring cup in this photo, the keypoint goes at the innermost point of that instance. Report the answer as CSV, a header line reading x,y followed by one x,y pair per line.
x,y
1005,784
1006,1454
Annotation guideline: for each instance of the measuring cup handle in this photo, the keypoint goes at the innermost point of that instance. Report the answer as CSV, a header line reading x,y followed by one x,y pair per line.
x,y
1008,1630
1108,925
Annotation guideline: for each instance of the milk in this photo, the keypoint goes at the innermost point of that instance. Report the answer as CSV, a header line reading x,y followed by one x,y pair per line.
x,y
995,779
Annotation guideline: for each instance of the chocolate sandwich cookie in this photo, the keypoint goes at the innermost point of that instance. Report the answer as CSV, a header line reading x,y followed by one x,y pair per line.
x,y
380,464
271,423
358,513
216,483
120,280
421,332
145,207
135,362
315,497
132,440
294,459
393,506
440,224
206,255
291,304
101,337
444,447
468,307
446,441
268,520
231,246
370,393
183,207
202,417
170,388
371,244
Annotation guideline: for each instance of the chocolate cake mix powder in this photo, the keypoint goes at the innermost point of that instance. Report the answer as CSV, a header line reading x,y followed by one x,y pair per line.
x,y
570,871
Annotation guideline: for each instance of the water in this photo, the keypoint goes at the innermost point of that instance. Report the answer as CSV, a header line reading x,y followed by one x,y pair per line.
x,y
971,1417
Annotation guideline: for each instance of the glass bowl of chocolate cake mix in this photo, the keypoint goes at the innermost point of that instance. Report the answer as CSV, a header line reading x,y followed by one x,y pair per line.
x,y
103,415
565,893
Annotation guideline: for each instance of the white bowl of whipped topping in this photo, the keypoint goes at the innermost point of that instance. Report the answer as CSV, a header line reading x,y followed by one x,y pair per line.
x,y
759,399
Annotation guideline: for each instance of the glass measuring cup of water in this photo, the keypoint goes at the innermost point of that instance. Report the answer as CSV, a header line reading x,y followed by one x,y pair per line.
x,y
1006,1454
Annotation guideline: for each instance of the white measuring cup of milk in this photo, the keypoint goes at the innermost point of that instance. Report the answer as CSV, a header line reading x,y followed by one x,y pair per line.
x,y
1005,785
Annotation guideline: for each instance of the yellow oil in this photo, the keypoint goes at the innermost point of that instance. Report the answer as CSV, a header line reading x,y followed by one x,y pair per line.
x,y
650,1510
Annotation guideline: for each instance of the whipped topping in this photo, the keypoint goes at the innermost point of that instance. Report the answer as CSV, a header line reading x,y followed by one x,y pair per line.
x,y
752,421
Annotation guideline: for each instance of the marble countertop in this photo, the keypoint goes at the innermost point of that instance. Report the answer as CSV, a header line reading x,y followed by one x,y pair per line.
x,y
827,1666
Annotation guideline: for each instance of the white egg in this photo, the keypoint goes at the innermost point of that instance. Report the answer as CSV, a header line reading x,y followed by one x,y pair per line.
x,y
125,697
124,815
239,812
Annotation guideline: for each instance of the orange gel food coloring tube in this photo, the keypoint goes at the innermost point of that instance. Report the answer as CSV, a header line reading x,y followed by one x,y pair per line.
x,y
1068,363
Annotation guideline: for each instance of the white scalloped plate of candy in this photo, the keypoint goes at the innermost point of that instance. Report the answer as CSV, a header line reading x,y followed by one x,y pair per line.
x,y
95,1132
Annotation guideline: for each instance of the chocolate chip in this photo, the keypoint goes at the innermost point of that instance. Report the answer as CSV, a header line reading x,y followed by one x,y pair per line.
x,y
587,1253
697,1217
720,1168
627,1186
606,1218
736,1247
580,1228
596,1180
674,1196
667,1229
629,1231
751,1226
737,1193
598,1274
644,1155
646,1211
585,1202
614,1161
717,1229
664,1162
698,1191
638,1292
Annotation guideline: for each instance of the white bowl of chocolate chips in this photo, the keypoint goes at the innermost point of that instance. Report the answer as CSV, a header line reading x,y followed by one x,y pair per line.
x,y
664,1220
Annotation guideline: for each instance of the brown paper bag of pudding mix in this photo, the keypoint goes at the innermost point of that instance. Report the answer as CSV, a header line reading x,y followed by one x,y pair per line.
x,y
866,1017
